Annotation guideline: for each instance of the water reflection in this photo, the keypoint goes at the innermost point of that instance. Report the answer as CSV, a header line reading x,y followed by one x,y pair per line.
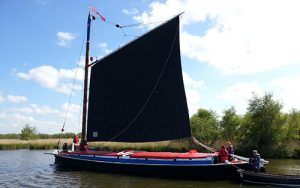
x,y
287,166
26,168
108,180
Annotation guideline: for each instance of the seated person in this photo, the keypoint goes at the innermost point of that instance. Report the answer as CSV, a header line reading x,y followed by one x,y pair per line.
x,y
83,146
255,161
65,147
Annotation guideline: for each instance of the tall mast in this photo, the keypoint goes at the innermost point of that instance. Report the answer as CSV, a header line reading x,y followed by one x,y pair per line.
x,y
86,71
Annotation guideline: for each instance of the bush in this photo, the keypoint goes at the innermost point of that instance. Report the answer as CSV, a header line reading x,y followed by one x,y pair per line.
x,y
28,132
297,153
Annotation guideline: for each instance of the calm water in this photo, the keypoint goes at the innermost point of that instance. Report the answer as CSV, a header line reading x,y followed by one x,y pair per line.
x,y
25,168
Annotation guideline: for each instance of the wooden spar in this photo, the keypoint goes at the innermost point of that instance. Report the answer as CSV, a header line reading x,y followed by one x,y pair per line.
x,y
86,71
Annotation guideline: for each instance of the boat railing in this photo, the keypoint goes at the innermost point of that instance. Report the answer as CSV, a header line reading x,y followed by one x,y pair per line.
x,y
247,159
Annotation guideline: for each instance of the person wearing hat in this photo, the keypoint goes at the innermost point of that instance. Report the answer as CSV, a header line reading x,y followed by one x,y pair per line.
x,y
255,161
230,151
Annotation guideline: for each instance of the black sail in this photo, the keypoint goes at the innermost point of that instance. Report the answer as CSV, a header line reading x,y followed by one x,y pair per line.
x,y
137,93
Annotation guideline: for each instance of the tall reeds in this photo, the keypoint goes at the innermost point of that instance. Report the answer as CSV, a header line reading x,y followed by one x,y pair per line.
x,y
45,144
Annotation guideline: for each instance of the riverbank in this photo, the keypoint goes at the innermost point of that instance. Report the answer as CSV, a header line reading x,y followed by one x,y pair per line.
x,y
45,144
173,146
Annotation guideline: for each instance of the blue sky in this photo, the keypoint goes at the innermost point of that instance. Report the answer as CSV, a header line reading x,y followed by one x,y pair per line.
x,y
229,50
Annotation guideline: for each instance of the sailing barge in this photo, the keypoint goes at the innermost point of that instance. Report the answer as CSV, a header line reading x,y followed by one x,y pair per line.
x,y
136,94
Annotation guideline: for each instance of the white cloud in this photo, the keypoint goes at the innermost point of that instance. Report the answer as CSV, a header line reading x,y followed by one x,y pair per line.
x,y
74,108
64,39
35,109
241,91
81,63
18,118
240,94
193,100
16,99
24,76
245,37
288,91
52,78
195,11
192,88
3,115
70,73
133,11
45,118
190,82
104,48
47,76
13,98
26,110
67,88
103,45
43,109
14,122
160,11
2,99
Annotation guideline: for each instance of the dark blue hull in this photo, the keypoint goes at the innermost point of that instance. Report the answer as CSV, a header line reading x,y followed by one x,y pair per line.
x,y
185,169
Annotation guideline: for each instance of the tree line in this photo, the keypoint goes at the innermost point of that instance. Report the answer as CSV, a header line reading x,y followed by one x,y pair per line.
x,y
263,127
30,133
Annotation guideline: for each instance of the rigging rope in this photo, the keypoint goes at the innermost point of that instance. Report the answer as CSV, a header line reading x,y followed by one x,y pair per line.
x,y
121,27
94,53
71,94
129,25
100,17
142,23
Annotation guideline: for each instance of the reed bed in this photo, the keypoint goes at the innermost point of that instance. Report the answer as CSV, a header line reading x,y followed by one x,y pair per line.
x,y
149,146
45,144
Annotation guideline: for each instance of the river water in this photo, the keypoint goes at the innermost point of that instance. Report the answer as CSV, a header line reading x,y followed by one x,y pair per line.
x,y
32,168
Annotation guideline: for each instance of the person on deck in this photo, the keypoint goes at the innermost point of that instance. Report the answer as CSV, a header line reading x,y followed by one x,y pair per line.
x,y
84,146
223,155
230,151
75,142
255,161
65,147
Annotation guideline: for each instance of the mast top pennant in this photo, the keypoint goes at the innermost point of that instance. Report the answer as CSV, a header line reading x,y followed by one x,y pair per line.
x,y
93,9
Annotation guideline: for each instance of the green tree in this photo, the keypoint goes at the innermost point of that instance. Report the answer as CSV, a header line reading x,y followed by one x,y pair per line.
x,y
293,126
263,124
205,127
28,132
291,139
230,124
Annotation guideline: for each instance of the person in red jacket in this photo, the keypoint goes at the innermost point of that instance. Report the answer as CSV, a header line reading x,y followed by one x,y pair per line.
x,y
76,140
223,155
75,143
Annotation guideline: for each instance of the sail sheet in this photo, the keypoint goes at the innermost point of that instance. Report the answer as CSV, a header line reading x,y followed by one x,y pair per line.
x,y
137,93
